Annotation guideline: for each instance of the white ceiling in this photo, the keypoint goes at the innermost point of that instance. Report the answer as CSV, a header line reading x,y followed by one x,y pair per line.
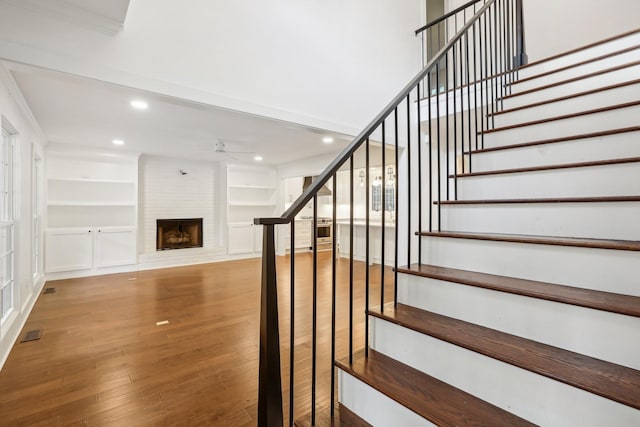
x,y
99,15
112,9
89,113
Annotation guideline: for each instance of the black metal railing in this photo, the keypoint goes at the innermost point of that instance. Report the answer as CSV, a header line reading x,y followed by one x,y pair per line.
x,y
375,222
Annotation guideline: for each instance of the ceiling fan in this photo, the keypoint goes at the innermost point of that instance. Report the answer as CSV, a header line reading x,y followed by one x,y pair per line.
x,y
221,147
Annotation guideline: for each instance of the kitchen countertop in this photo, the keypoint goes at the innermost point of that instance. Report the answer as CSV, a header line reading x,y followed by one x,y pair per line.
x,y
361,222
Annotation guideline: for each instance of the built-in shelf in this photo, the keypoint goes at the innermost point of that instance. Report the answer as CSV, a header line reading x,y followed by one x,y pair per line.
x,y
249,203
106,181
256,187
82,203
251,193
92,210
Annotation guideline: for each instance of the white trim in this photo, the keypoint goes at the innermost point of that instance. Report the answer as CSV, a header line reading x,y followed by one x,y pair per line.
x,y
16,94
72,14
10,341
81,67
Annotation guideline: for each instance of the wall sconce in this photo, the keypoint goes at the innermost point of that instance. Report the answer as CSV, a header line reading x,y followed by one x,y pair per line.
x,y
361,175
390,175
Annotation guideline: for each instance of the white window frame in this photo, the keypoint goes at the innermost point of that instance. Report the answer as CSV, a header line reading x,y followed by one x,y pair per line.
x,y
36,220
7,221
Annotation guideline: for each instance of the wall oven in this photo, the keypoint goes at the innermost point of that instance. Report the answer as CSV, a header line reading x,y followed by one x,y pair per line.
x,y
324,228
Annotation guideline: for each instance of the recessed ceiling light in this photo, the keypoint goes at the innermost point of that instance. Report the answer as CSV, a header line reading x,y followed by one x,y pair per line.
x,y
327,140
118,142
258,158
139,105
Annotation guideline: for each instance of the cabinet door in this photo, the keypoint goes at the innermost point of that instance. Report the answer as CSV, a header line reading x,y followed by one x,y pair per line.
x,y
68,249
240,238
115,246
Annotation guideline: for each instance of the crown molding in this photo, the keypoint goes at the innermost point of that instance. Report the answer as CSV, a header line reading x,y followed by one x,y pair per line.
x,y
64,11
14,90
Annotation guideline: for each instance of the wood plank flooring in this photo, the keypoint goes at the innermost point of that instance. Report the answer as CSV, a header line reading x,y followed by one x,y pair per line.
x,y
103,361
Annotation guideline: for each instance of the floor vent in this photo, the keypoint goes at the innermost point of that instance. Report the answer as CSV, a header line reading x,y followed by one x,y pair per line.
x,y
32,335
49,291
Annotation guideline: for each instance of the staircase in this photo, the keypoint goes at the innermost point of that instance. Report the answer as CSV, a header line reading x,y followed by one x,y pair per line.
x,y
525,306
515,297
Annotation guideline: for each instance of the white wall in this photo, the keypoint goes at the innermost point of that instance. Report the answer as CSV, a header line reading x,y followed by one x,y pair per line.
x,y
553,27
29,139
164,193
307,62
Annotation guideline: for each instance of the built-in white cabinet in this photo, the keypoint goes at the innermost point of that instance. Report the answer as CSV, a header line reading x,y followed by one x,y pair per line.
x,y
70,249
251,193
92,210
115,246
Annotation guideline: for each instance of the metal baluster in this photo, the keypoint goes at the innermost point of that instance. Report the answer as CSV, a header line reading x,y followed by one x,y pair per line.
x,y
446,95
466,39
315,310
351,227
366,256
455,124
430,161
438,129
292,317
475,85
420,167
482,83
396,181
462,103
384,208
333,293
408,178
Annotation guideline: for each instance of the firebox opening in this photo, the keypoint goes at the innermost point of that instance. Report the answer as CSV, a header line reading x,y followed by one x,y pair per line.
x,y
178,233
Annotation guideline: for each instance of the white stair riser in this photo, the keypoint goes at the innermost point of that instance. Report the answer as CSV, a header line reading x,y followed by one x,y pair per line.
x,y
582,55
578,86
603,335
617,146
582,103
594,181
580,70
612,220
374,407
599,269
618,118
528,395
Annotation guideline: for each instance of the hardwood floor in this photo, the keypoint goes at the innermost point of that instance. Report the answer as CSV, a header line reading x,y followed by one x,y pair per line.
x,y
102,360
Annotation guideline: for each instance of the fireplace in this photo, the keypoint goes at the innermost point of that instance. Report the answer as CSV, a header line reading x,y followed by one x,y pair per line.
x,y
178,233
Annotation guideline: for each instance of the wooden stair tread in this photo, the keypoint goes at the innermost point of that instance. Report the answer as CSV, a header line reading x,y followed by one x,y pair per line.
x,y
342,417
550,167
562,117
623,245
432,399
581,48
605,199
598,300
573,79
577,64
609,380
561,139
564,98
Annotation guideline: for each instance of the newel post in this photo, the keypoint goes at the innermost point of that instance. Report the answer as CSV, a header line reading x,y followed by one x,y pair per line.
x,y
521,57
270,385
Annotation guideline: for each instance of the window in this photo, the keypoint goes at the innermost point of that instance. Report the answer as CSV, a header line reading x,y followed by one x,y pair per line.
x,y
7,221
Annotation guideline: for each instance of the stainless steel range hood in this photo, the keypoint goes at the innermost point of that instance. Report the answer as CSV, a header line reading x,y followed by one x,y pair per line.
x,y
324,191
